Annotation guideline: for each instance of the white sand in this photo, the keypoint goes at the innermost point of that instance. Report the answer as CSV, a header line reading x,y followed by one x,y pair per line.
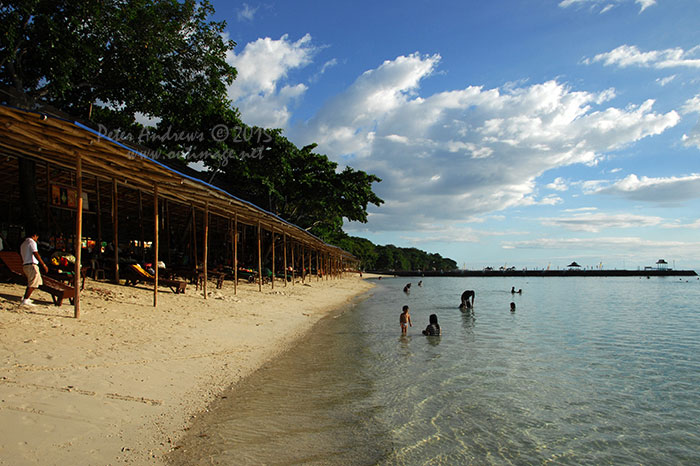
x,y
122,383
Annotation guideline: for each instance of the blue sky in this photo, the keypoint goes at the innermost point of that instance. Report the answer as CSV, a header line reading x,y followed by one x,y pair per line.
x,y
519,133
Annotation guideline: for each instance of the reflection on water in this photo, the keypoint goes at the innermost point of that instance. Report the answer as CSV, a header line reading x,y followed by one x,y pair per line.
x,y
586,371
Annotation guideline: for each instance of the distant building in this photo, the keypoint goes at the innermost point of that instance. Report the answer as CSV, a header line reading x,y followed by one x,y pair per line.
x,y
661,264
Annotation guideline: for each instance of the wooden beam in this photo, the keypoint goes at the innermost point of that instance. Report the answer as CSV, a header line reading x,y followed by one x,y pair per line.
x,y
155,244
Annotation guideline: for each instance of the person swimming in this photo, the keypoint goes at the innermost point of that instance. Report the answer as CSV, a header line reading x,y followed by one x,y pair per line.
x,y
407,288
512,291
512,307
468,299
433,328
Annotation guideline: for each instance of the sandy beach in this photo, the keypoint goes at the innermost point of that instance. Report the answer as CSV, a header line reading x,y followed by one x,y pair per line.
x,y
122,383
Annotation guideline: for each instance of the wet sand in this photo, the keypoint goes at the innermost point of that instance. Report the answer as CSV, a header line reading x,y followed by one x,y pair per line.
x,y
123,383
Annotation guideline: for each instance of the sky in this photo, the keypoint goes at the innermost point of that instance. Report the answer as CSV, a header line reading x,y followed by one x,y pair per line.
x,y
518,133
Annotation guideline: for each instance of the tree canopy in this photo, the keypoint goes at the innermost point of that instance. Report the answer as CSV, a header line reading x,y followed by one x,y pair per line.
x,y
108,61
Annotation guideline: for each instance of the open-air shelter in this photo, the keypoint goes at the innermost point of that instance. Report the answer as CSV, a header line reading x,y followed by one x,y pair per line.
x,y
99,185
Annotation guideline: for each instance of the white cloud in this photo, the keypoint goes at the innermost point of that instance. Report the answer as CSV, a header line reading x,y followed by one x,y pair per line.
x,y
260,90
629,55
664,81
559,184
639,247
581,209
659,190
692,105
595,222
488,146
246,13
606,5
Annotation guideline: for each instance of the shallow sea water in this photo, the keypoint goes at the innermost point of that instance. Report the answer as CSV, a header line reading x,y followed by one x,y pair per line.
x,y
586,371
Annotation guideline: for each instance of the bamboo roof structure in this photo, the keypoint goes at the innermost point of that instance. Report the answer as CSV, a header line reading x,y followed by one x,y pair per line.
x,y
61,142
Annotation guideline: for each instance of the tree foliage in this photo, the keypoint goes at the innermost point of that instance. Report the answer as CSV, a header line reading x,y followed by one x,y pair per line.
x,y
156,57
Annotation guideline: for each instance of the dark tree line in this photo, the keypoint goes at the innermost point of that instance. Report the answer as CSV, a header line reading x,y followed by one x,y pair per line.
x,y
106,61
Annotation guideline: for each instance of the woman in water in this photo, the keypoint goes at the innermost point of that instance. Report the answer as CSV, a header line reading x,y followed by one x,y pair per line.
x,y
433,329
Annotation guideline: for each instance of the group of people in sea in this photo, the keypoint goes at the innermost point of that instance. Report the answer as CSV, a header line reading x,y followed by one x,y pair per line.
x,y
433,328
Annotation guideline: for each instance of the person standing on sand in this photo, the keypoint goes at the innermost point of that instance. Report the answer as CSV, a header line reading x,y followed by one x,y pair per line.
x,y
30,266
405,320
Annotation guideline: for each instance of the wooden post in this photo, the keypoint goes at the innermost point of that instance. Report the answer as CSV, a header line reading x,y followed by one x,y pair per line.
x,y
194,238
115,227
303,272
99,222
155,245
142,240
78,235
167,230
259,261
309,265
318,271
235,254
293,265
206,247
273,258
284,251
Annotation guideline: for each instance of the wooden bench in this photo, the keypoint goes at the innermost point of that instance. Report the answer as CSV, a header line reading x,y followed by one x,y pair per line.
x,y
134,275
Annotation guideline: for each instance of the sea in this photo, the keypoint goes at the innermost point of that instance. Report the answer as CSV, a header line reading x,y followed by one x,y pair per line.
x,y
587,370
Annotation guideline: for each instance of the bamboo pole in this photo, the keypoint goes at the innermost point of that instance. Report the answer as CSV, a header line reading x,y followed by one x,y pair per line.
x,y
259,261
309,265
284,251
155,244
78,235
273,259
206,247
115,226
318,271
235,253
303,272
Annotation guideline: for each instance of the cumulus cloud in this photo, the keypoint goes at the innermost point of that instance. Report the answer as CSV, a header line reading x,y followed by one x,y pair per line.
x,y
629,55
606,5
465,152
261,90
659,190
595,222
559,184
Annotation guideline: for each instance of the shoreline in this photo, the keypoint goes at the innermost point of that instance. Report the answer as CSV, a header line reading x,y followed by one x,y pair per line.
x,y
122,384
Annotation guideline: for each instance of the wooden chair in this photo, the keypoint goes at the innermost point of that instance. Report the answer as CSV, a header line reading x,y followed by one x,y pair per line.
x,y
58,291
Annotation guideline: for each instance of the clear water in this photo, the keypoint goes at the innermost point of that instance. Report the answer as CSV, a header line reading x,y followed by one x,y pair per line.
x,y
586,371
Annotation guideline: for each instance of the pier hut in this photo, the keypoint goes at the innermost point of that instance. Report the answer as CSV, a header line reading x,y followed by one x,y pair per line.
x,y
661,264
96,189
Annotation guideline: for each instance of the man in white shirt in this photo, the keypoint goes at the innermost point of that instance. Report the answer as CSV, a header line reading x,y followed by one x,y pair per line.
x,y
30,266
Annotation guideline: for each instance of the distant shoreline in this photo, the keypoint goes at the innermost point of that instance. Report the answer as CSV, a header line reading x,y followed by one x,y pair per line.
x,y
545,273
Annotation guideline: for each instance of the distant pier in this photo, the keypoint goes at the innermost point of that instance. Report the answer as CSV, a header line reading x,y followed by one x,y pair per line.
x,y
545,273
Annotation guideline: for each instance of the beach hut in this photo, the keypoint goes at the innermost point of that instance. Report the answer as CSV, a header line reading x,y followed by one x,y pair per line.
x,y
661,264
574,265
82,174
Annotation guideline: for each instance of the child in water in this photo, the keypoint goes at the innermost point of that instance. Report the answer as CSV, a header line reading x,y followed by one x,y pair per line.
x,y
404,320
